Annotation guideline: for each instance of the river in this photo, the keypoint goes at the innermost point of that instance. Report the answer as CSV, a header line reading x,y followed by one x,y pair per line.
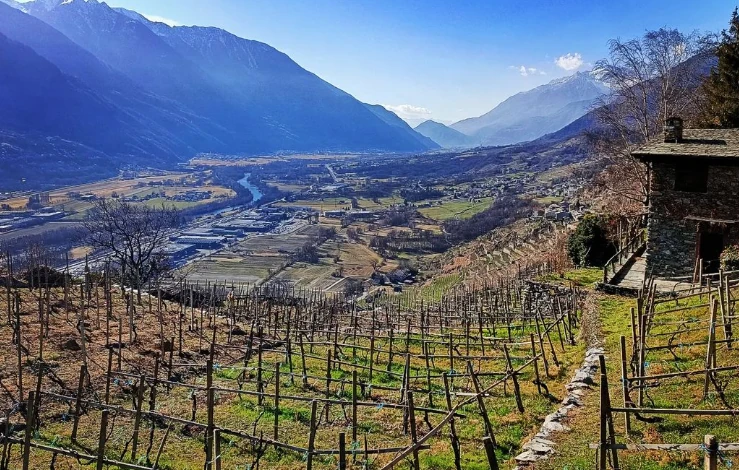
x,y
256,194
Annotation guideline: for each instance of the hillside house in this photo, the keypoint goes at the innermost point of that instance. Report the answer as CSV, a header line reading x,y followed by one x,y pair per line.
x,y
693,205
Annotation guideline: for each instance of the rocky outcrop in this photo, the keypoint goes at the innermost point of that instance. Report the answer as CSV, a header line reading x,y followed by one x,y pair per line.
x,y
540,446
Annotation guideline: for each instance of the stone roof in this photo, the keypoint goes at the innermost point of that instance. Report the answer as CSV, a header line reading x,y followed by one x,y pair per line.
x,y
712,144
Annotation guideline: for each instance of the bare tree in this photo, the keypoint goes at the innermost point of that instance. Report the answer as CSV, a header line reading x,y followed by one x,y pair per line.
x,y
651,78
134,236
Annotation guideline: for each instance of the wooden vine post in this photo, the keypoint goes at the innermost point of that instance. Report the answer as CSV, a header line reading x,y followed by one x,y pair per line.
x,y
710,456
312,434
101,440
275,433
78,403
30,424
625,384
342,451
607,431
414,434
452,427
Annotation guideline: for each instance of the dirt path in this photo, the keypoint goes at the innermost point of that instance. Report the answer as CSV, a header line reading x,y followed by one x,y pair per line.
x,y
540,450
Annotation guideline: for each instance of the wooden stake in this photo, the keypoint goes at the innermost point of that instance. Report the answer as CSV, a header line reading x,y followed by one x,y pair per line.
x,y
217,448
625,384
710,456
78,402
312,434
481,402
342,451
137,417
302,360
452,427
328,383
19,344
161,447
536,364
514,378
607,431
711,348
414,435
372,353
210,427
101,440
490,452
30,425
277,403
354,406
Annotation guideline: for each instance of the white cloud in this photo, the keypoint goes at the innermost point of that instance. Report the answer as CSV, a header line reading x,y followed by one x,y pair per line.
x,y
411,114
526,71
409,111
569,61
161,19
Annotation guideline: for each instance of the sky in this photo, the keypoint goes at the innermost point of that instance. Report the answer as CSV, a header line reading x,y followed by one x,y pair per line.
x,y
444,60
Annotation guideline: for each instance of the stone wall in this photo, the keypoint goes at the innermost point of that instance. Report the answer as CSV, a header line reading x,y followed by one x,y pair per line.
x,y
672,234
670,247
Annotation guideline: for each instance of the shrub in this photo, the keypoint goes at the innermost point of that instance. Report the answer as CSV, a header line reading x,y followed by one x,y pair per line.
x,y
730,258
353,287
504,211
46,277
588,245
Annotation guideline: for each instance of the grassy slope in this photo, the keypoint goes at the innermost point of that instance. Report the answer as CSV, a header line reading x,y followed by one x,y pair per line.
x,y
463,209
572,450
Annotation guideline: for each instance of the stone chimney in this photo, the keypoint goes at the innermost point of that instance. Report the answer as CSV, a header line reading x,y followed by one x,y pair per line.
x,y
673,130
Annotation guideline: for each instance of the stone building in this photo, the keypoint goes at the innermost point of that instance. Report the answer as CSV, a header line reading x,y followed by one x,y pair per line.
x,y
693,198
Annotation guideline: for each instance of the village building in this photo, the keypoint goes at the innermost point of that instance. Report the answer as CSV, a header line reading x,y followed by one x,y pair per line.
x,y
693,202
334,214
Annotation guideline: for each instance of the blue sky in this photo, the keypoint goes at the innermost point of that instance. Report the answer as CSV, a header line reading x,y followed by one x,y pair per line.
x,y
439,59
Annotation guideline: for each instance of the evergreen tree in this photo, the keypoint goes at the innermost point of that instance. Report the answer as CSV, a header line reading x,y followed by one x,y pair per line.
x,y
721,88
588,245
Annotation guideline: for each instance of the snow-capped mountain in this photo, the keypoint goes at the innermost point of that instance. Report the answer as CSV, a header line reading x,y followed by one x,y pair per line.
x,y
531,114
178,91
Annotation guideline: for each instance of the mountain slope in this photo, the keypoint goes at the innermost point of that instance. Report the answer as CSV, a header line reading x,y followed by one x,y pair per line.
x,y
311,111
392,119
531,114
49,114
248,95
171,130
443,135
696,67
134,51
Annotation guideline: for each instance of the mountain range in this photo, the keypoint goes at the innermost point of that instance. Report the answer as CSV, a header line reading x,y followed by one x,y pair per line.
x,y
132,91
444,135
88,89
531,114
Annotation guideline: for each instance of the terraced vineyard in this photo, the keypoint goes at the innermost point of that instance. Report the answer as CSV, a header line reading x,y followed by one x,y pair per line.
x,y
232,376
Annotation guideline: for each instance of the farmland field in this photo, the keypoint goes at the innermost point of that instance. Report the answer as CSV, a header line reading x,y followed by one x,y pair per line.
x,y
323,204
263,160
100,188
355,262
135,188
252,259
462,209
288,187
549,200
